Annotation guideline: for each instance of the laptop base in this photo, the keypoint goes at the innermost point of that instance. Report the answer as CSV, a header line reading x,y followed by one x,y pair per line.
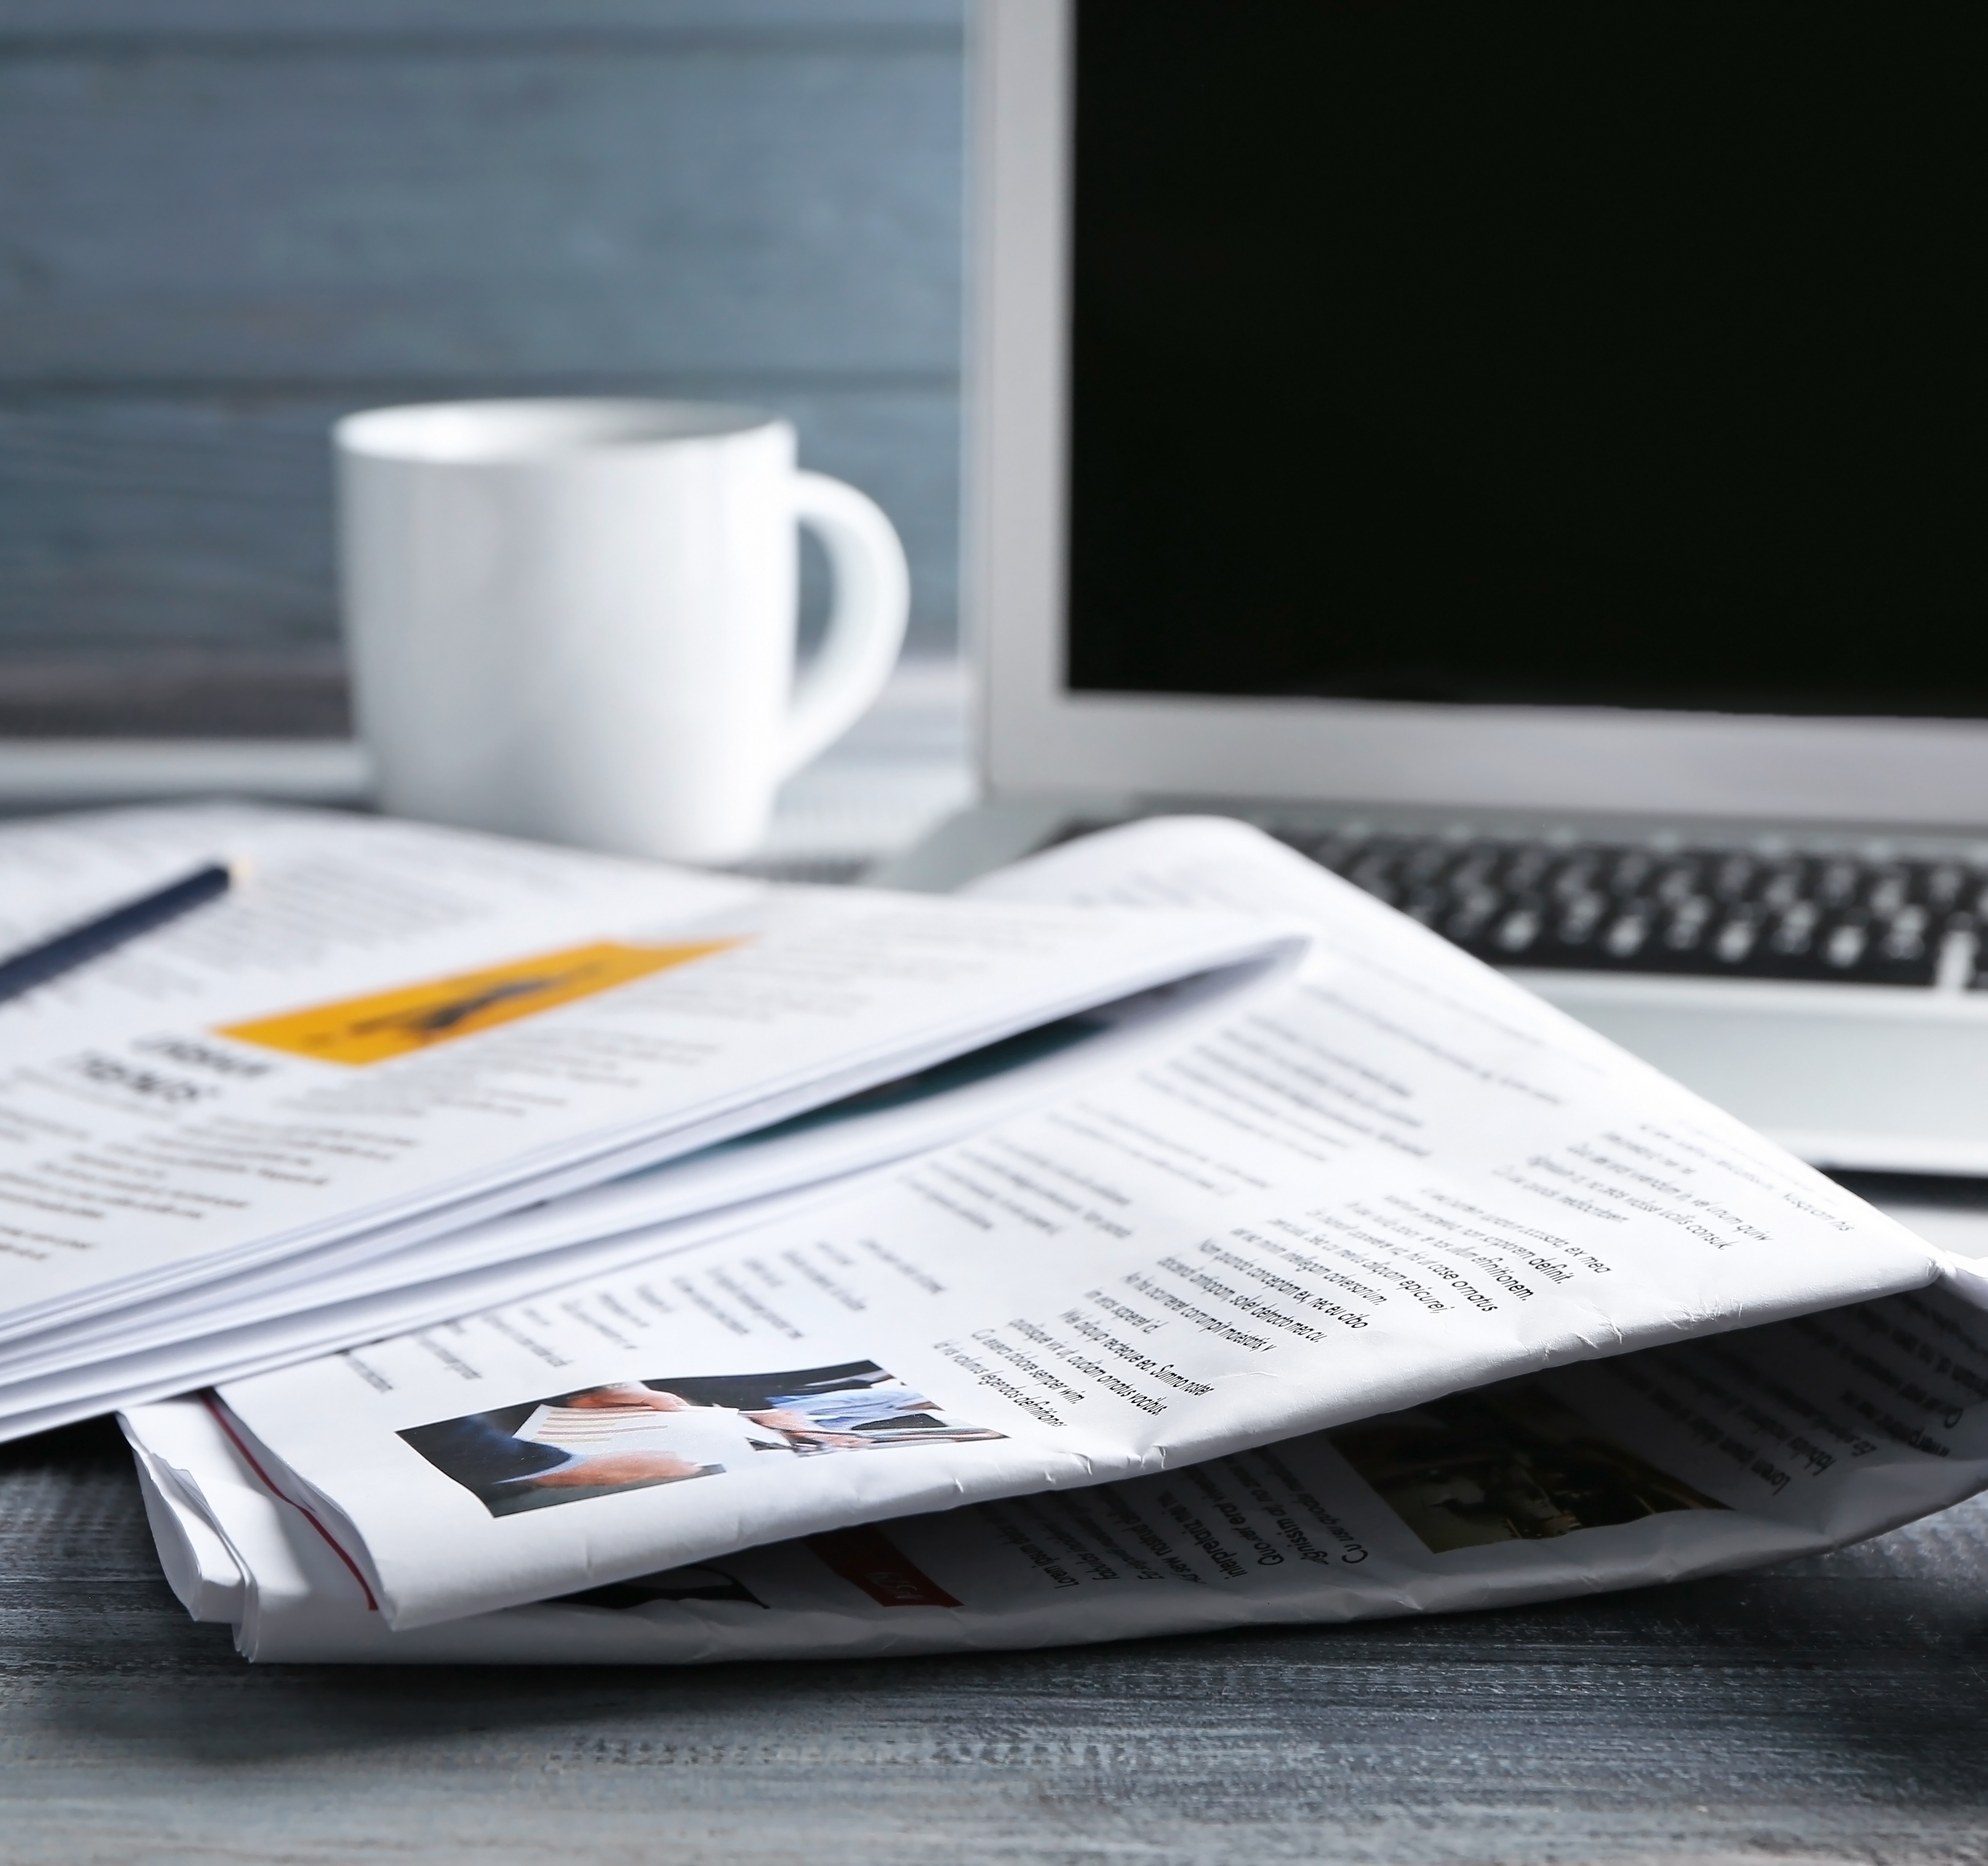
x,y
1851,1076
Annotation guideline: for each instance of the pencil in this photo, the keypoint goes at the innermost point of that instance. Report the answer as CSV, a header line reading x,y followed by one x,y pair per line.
x,y
81,943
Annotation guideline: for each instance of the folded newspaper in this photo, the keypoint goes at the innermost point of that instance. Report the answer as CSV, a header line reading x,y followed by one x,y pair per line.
x,y
1386,1289
265,1131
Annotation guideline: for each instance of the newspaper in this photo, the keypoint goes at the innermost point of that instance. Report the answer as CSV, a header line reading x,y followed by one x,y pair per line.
x,y
1398,1180
250,1323
392,1032
1684,1460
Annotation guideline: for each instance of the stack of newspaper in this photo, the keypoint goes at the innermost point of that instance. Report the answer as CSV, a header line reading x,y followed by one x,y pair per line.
x,y
1378,1288
286,1122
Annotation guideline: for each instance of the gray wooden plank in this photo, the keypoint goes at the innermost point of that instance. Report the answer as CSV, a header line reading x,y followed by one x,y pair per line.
x,y
1830,1711
300,214
21,18
205,519
161,521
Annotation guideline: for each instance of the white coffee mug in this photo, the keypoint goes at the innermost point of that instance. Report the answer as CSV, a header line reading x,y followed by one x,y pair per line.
x,y
574,619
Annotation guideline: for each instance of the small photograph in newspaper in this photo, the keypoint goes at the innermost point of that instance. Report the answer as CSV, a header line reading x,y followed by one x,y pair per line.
x,y
634,1433
1510,1464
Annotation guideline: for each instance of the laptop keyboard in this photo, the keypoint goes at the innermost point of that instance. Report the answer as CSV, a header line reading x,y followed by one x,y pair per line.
x,y
1699,912
1709,913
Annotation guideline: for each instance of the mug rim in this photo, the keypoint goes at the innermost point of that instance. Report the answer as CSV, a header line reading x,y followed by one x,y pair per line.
x,y
530,431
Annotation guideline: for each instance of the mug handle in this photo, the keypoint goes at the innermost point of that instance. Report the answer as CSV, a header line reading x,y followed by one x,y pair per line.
x,y
865,626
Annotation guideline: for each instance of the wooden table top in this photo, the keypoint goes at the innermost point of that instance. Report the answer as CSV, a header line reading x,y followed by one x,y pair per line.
x,y
1834,1709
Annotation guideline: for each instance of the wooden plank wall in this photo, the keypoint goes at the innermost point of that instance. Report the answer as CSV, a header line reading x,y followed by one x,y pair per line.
x,y
223,222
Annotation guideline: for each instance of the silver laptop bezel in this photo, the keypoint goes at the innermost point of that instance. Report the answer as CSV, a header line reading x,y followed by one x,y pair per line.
x,y
1038,740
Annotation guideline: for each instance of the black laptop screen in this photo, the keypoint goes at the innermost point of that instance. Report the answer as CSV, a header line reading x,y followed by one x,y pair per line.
x,y
1628,353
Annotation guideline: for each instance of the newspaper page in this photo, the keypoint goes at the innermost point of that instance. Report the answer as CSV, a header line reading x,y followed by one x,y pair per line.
x,y
1679,1461
339,1296
1401,1178
396,1029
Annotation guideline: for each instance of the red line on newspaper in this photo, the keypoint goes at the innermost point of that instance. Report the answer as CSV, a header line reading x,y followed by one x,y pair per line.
x,y
235,1438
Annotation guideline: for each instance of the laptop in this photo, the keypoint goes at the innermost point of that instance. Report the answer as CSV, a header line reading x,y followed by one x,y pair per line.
x,y
1528,459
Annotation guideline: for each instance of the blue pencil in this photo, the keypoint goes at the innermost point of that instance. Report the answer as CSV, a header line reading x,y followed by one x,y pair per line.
x,y
79,944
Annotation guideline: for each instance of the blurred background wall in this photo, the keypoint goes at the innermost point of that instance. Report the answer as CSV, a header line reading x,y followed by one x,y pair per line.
x,y
224,222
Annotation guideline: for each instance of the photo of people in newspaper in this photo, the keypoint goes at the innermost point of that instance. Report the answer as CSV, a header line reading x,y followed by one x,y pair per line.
x,y
601,1440
1505,1463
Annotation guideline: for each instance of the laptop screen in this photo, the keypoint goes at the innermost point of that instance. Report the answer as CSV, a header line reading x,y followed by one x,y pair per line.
x,y
1628,355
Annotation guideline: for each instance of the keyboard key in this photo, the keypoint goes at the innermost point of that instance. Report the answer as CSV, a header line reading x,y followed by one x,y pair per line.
x,y
1735,940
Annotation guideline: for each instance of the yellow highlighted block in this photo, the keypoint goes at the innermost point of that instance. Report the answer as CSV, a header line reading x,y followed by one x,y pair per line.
x,y
385,1025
